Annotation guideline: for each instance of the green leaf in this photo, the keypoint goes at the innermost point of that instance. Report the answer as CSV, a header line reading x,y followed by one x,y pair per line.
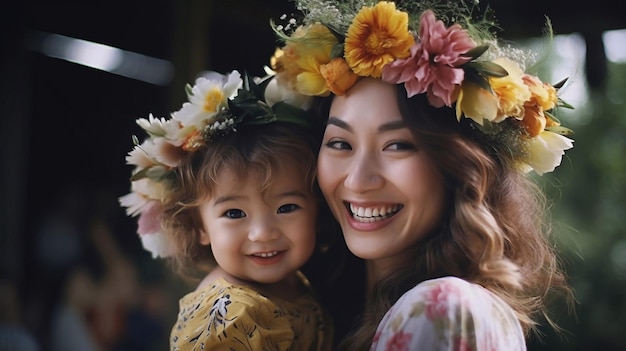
x,y
475,77
337,51
551,116
560,130
340,37
292,114
560,84
565,105
488,69
476,52
139,175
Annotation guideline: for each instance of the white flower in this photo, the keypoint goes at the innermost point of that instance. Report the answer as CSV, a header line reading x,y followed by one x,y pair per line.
x,y
276,92
157,244
149,189
207,97
133,203
158,127
546,151
142,155
155,151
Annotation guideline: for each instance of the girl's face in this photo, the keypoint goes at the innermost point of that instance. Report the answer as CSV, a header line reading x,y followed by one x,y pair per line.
x,y
382,188
260,237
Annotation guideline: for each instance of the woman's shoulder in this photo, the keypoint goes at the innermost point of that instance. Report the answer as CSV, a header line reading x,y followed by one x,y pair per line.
x,y
449,296
449,311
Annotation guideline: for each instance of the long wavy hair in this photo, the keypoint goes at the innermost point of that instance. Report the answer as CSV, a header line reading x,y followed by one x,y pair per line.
x,y
495,228
262,150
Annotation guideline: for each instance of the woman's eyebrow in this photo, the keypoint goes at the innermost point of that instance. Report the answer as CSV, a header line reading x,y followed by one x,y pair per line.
x,y
393,125
339,123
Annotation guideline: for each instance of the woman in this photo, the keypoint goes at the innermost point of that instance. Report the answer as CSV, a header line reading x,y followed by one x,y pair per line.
x,y
431,131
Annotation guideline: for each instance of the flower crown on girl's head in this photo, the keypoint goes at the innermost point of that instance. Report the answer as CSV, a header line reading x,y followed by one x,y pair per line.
x,y
457,63
218,104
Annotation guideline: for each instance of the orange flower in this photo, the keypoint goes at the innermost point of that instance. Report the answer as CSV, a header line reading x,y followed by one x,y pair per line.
x,y
534,120
542,94
543,97
378,35
338,75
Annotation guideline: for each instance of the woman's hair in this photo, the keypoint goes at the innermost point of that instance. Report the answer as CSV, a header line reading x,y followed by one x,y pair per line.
x,y
494,230
261,150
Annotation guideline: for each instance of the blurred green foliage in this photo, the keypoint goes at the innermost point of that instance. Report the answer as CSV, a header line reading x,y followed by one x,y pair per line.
x,y
588,210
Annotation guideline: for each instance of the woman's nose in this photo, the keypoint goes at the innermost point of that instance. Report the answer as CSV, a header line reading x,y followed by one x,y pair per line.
x,y
363,174
263,229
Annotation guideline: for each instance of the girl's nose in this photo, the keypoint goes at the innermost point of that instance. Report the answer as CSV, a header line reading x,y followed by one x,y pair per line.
x,y
264,229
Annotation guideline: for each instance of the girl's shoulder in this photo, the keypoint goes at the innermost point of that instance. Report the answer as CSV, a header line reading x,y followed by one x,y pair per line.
x,y
450,312
223,314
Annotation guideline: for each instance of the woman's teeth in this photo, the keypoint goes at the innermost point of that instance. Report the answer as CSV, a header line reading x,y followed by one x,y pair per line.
x,y
371,214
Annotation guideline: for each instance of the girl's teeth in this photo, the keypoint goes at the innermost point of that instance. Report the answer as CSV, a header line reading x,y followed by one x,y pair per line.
x,y
266,254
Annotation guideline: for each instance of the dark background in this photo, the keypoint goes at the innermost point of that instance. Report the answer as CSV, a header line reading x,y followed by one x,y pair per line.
x,y
66,129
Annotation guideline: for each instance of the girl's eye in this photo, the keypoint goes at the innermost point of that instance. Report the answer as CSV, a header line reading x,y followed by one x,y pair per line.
x,y
234,213
287,208
338,144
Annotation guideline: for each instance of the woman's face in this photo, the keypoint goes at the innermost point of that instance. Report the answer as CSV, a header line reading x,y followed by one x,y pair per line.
x,y
380,185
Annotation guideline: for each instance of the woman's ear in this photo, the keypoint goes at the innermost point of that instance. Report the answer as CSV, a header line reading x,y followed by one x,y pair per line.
x,y
205,239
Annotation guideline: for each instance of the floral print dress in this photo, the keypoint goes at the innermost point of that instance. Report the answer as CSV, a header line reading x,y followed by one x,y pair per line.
x,y
224,316
449,314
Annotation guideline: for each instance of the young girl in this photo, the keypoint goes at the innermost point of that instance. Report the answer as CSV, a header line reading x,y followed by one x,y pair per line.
x,y
431,131
226,188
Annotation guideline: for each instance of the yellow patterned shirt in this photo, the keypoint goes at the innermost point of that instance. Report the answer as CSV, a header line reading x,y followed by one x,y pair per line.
x,y
230,317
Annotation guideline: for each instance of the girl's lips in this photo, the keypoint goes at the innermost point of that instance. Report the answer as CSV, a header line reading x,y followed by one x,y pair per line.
x,y
267,257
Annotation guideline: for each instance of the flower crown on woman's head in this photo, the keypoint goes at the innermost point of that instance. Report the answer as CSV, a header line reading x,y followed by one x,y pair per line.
x,y
218,104
458,64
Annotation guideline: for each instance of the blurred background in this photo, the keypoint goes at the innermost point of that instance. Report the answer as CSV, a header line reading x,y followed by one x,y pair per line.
x,y
76,74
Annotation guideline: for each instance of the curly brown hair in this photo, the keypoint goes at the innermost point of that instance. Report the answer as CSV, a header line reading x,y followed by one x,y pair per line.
x,y
495,229
263,150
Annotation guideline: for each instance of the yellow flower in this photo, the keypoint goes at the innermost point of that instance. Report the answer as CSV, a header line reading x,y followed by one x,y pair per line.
x,y
476,103
511,91
542,94
298,63
338,75
377,36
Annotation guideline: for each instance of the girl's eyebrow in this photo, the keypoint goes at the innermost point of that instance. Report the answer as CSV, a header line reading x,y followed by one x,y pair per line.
x,y
291,193
393,125
222,199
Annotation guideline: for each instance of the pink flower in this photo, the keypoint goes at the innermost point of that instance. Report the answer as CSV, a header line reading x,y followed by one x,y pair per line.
x,y
460,344
399,342
434,64
149,221
440,298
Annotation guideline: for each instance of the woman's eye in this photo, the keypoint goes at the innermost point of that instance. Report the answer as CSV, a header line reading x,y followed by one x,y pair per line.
x,y
338,144
400,146
234,213
287,208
